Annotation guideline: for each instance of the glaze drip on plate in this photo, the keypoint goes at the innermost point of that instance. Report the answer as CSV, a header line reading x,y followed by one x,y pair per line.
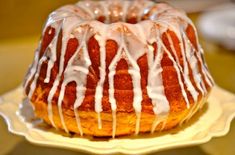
x,y
138,29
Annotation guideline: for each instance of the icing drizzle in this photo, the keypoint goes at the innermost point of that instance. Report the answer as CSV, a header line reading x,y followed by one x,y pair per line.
x,y
134,40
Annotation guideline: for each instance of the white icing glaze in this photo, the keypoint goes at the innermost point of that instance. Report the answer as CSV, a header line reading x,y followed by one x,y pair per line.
x,y
159,119
189,84
199,54
176,66
99,89
134,40
155,87
193,63
33,84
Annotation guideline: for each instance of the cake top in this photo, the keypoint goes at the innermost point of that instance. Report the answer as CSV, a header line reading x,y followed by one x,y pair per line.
x,y
113,11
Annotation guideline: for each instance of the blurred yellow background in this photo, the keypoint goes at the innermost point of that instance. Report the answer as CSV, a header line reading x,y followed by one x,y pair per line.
x,y
21,18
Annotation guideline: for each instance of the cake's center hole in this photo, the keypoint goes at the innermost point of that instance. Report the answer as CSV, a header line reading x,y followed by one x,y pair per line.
x,y
116,14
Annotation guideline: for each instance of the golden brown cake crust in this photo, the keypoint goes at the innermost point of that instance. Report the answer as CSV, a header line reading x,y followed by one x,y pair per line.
x,y
126,121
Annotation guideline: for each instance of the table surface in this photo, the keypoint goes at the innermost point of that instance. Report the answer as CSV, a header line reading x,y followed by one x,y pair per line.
x,y
17,54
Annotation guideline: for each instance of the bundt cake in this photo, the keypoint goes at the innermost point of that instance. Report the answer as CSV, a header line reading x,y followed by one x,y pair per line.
x,y
111,68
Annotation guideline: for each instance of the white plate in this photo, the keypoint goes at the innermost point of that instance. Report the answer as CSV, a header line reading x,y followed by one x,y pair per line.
x,y
212,121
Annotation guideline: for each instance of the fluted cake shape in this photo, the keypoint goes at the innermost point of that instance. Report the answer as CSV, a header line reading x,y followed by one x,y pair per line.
x,y
110,68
